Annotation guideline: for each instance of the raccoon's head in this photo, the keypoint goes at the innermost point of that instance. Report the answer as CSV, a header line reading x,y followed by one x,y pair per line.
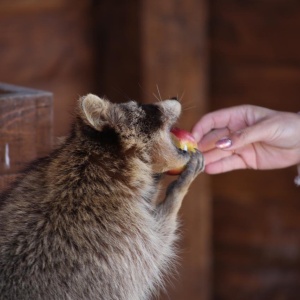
x,y
143,128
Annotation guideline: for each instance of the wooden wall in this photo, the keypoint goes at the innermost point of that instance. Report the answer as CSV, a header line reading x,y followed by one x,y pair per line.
x,y
126,49
123,50
153,58
255,56
176,63
25,129
48,45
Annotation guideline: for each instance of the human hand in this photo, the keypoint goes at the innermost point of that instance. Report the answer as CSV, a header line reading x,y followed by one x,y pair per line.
x,y
248,136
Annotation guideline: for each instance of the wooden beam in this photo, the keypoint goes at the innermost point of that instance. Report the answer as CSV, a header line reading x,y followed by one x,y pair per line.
x,y
255,60
174,62
25,129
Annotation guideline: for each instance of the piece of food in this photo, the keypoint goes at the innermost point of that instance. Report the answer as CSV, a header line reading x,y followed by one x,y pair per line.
x,y
182,140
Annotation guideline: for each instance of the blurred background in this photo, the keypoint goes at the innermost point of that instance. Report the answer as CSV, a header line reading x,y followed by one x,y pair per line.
x,y
240,230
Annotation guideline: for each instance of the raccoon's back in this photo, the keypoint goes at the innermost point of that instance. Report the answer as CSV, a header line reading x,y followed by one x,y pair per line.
x,y
81,262
84,250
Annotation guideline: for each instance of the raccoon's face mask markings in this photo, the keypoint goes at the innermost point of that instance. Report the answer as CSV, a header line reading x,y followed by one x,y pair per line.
x,y
152,120
152,123
146,126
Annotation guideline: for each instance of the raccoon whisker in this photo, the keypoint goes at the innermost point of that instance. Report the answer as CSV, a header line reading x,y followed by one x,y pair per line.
x,y
188,104
189,107
158,92
181,97
156,97
148,94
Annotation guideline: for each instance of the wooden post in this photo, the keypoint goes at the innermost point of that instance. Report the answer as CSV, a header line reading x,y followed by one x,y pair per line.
x,y
174,62
255,60
25,129
161,47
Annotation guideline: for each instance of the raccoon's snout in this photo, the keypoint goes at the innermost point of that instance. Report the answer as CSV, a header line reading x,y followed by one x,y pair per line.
x,y
171,109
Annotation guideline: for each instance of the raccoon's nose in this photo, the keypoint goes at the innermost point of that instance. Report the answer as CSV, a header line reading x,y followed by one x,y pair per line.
x,y
171,107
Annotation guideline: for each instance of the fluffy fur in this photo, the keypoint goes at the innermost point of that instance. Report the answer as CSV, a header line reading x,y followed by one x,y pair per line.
x,y
83,223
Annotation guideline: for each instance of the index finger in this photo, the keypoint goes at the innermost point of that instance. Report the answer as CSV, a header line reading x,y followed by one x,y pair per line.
x,y
233,118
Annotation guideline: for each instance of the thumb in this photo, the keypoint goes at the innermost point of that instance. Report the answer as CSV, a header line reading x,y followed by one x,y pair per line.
x,y
241,138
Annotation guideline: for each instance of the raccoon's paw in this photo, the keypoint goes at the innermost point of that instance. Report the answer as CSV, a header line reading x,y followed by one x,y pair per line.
x,y
193,168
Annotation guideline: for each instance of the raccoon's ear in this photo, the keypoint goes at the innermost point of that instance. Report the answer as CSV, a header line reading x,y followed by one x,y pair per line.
x,y
95,110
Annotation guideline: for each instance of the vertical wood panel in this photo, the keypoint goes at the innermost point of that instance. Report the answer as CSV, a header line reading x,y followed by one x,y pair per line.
x,y
48,45
174,60
255,60
117,62
121,50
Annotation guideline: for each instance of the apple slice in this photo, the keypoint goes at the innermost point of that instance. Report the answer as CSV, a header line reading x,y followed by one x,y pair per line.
x,y
182,140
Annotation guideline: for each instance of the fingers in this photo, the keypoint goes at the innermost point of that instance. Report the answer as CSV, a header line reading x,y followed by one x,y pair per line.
x,y
218,161
208,142
233,118
223,118
215,155
226,164
260,132
237,151
234,130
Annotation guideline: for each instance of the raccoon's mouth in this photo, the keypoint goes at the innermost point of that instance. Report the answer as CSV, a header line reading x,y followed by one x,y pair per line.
x,y
185,144
183,140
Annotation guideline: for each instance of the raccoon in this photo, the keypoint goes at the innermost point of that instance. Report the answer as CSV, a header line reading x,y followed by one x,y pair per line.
x,y
84,222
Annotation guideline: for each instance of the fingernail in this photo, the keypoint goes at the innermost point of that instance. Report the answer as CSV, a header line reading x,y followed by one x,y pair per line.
x,y
224,143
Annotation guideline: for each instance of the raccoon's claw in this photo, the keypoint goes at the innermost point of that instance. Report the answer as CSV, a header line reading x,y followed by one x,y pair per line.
x,y
200,161
195,165
193,168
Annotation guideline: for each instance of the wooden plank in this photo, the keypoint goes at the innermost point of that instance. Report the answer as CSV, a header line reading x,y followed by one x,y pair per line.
x,y
174,63
257,235
117,59
112,48
255,55
49,48
256,31
274,86
36,6
25,128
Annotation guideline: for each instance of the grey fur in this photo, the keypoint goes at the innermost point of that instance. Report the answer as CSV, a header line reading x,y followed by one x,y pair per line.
x,y
83,223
